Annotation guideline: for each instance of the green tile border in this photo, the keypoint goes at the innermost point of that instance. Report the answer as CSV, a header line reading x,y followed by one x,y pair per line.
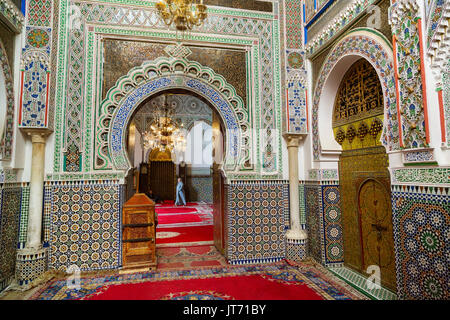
x,y
357,281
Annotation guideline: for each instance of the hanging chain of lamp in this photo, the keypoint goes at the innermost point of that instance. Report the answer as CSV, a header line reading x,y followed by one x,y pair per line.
x,y
183,13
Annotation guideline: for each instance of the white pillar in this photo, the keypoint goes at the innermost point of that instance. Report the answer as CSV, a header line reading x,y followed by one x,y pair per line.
x,y
295,232
36,190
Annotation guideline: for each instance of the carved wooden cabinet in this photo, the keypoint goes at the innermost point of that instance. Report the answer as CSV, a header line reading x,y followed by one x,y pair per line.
x,y
139,233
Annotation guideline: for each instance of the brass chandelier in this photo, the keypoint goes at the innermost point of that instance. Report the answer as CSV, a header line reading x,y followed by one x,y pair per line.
x,y
164,132
183,13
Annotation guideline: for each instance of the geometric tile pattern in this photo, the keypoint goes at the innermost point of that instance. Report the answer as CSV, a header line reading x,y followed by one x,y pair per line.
x,y
421,220
25,202
39,12
256,222
294,24
296,250
313,204
323,220
85,226
9,230
31,266
333,235
200,188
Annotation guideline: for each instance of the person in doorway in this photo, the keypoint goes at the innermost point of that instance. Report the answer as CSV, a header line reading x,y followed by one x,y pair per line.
x,y
181,200
154,197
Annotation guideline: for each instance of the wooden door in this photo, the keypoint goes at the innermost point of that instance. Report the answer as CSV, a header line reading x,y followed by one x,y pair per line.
x,y
363,174
375,219
162,179
219,217
218,185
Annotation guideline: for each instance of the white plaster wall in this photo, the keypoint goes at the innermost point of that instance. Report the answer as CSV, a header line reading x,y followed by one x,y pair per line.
x,y
199,146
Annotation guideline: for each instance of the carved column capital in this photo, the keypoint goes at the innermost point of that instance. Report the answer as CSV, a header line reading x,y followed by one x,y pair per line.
x,y
293,140
37,135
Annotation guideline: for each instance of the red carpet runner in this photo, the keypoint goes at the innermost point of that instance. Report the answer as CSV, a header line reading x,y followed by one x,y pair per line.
x,y
181,226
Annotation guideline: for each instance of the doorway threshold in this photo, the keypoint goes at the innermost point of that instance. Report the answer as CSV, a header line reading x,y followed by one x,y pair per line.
x,y
359,282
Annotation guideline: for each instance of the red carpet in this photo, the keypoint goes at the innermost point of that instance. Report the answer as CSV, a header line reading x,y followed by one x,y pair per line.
x,y
163,210
276,281
184,226
261,287
184,236
178,218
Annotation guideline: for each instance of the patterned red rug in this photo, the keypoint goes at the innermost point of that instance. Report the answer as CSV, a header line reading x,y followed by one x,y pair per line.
x,y
184,236
265,287
189,258
278,281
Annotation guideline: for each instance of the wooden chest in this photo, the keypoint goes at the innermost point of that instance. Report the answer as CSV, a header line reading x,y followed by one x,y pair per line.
x,y
139,233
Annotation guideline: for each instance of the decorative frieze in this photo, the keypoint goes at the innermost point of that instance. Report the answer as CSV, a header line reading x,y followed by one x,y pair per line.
x,y
422,176
349,14
11,15
410,74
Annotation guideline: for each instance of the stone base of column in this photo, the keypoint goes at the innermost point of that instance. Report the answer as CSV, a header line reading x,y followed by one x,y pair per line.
x,y
30,264
296,250
296,234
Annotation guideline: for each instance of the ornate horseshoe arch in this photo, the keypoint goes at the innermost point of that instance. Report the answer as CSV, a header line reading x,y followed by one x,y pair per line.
x,y
159,75
376,49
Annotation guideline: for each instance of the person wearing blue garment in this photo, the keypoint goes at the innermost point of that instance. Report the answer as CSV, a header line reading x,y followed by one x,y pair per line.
x,y
181,200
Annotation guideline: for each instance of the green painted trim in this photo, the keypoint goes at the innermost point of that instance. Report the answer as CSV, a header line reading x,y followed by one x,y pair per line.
x,y
419,164
375,32
210,9
384,292
353,285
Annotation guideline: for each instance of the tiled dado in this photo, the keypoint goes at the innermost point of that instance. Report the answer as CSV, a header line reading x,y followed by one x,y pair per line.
x,y
10,198
421,220
296,250
255,222
84,224
30,265
323,216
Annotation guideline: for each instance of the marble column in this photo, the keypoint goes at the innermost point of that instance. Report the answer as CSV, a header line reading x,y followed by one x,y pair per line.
x,y
32,260
34,233
295,232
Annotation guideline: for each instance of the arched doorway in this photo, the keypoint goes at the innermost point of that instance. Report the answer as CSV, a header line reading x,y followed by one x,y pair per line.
x,y
198,165
357,123
163,74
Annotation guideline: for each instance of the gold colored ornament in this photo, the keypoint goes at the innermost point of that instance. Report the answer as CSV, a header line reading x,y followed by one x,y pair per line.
x,y
183,13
